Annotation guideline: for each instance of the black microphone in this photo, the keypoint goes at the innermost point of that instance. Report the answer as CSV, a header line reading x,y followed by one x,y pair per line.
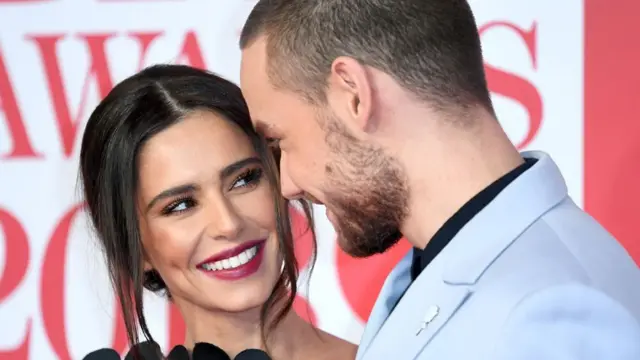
x,y
146,350
206,351
102,354
179,352
252,354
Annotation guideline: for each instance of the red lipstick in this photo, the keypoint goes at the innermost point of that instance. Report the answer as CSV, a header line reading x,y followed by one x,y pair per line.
x,y
237,263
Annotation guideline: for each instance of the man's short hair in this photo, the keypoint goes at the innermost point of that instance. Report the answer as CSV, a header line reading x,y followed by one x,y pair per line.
x,y
431,47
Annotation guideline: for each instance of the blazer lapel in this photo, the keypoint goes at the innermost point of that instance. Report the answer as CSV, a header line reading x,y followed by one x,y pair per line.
x,y
425,307
394,286
444,286
498,225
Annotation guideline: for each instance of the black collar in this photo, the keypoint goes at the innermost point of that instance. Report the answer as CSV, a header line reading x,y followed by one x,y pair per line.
x,y
422,258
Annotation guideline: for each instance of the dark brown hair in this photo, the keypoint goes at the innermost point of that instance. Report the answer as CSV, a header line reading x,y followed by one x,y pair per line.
x,y
431,47
133,112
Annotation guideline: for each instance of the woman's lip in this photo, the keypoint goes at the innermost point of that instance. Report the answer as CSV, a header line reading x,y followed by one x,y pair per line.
x,y
232,252
241,272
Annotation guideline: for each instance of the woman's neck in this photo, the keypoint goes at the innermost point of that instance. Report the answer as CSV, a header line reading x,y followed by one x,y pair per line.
x,y
234,332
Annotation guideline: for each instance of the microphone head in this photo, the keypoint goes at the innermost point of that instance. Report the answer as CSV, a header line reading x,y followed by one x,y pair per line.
x,y
206,351
102,354
253,354
179,352
146,350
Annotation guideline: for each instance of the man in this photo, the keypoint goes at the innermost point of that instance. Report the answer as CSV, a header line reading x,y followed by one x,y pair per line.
x,y
382,113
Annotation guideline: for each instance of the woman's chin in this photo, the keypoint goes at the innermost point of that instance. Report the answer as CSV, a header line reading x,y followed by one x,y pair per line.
x,y
243,298
244,305
247,294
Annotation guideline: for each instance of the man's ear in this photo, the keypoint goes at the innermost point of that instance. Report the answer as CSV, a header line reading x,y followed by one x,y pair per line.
x,y
351,93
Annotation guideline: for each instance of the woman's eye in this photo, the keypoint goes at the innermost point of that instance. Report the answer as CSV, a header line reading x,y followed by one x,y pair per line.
x,y
179,206
249,178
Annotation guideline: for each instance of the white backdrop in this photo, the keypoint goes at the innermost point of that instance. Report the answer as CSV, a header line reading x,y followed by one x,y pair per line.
x,y
562,74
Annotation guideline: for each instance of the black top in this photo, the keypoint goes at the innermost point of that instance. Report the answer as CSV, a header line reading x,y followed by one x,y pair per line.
x,y
422,258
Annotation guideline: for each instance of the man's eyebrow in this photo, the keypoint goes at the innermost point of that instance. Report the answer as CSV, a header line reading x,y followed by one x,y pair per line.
x,y
239,165
266,130
260,126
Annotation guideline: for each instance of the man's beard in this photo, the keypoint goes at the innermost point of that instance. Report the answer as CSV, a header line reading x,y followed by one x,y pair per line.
x,y
367,193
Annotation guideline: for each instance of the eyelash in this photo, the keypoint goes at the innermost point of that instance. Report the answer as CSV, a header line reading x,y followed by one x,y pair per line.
x,y
170,209
251,176
273,143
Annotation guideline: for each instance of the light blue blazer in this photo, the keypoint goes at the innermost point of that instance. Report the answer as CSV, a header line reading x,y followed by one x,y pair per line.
x,y
532,276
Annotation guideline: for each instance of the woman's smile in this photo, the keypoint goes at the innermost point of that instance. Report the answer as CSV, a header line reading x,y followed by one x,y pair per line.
x,y
236,263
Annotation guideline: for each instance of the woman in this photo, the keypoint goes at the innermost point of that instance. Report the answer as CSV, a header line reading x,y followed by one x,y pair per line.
x,y
184,198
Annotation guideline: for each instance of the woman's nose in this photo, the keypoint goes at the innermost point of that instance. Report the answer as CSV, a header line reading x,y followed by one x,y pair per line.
x,y
225,223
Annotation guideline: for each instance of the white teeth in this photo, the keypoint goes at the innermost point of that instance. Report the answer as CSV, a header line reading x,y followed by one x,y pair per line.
x,y
232,262
235,261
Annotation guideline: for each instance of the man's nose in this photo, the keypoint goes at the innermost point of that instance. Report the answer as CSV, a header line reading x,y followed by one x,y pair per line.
x,y
288,188
225,223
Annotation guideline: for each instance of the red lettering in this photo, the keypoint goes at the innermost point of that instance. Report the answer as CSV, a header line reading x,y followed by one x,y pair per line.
x,y
53,289
303,238
99,71
611,148
362,279
303,248
15,269
514,86
22,147
177,329
191,51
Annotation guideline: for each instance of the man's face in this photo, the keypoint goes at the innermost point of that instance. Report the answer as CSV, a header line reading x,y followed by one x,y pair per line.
x,y
364,189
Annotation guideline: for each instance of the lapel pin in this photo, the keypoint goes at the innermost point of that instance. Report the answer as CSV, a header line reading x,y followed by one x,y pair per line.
x,y
431,314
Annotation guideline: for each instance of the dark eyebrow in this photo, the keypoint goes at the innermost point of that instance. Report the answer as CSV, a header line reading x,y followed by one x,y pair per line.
x,y
263,128
189,188
259,126
238,165
174,191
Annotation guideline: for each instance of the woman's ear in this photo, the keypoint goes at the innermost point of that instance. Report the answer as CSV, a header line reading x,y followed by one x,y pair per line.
x,y
146,263
146,266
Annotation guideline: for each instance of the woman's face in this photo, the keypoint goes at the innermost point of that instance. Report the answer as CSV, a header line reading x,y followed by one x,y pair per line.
x,y
207,216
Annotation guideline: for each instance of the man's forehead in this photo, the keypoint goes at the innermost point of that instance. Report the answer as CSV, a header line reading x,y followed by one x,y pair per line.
x,y
250,76
254,59
254,81
256,87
